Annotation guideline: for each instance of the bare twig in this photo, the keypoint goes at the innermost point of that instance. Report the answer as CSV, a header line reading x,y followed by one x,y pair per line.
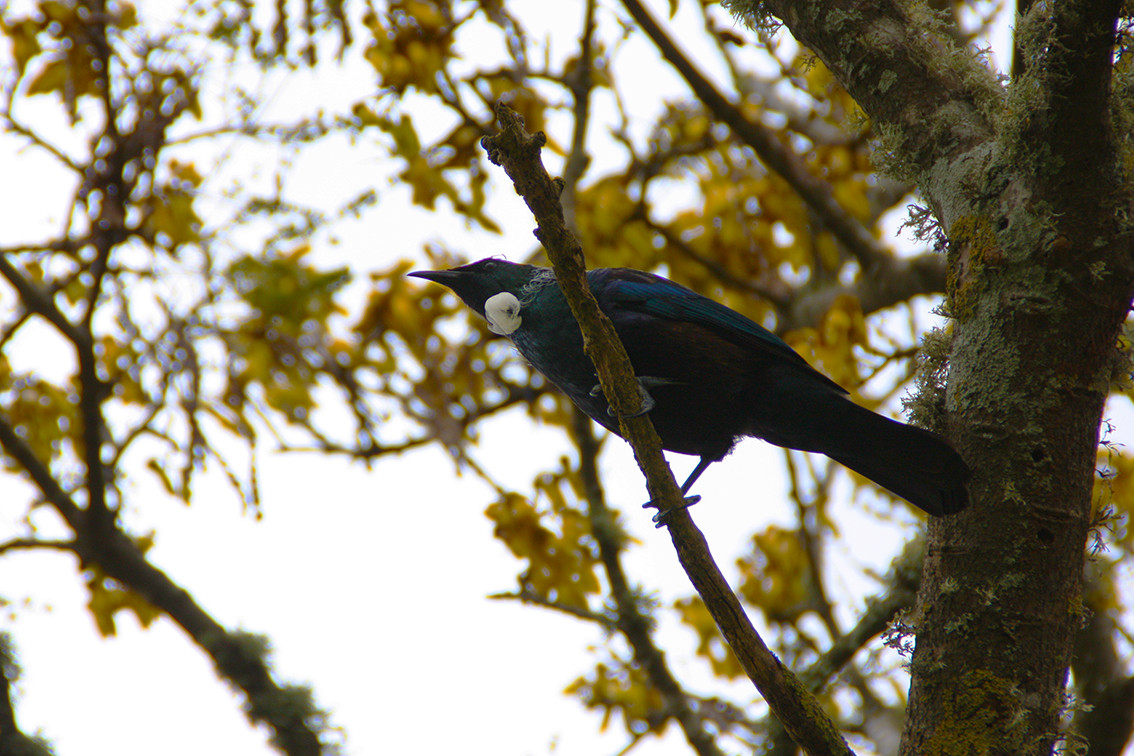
x,y
578,612
903,580
581,83
635,626
31,544
39,302
16,127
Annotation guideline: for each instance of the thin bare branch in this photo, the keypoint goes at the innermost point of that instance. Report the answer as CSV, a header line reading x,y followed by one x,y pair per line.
x,y
531,597
816,193
15,447
16,127
902,580
635,625
38,301
33,544
581,83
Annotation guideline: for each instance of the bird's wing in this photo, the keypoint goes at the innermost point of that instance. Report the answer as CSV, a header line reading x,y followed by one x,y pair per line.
x,y
638,291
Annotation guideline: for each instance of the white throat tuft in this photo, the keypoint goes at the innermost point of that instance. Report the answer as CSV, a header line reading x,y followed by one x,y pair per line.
x,y
503,313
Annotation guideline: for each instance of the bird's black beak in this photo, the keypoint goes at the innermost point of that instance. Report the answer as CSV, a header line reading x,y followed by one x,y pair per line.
x,y
464,283
443,277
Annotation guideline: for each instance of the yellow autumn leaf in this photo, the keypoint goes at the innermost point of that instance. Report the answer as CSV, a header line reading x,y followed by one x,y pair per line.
x,y
106,597
776,575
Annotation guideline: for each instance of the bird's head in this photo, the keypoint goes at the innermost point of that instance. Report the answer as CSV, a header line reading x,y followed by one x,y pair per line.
x,y
493,288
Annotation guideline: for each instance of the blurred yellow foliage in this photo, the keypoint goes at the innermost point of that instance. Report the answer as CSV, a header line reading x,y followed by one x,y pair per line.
x,y
107,597
622,690
710,643
776,575
409,45
830,347
556,542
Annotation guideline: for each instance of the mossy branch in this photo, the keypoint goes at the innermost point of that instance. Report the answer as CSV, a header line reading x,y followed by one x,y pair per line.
x,y
929,96
12,740
518,153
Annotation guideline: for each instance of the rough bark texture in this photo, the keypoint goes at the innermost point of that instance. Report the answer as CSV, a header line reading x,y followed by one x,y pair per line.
x,y
1027,182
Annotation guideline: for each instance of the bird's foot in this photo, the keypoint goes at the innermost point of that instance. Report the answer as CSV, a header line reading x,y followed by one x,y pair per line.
x,y
645,383
660,519
648,403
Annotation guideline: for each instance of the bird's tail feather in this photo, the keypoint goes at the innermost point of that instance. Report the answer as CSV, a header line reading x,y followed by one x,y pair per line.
x,y
913,463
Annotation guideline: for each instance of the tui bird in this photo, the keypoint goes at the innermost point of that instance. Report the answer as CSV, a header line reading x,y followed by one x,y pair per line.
x,y
709,376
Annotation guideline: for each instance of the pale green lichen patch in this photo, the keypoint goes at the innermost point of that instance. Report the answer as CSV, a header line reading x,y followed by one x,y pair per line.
x,y
973,240
984,714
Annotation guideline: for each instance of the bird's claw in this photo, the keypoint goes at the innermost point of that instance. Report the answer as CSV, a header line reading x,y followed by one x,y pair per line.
x,y
645,383
648,403
660,519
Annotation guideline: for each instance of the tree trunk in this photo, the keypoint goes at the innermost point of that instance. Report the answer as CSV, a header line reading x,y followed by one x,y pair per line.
x,y
1027,184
